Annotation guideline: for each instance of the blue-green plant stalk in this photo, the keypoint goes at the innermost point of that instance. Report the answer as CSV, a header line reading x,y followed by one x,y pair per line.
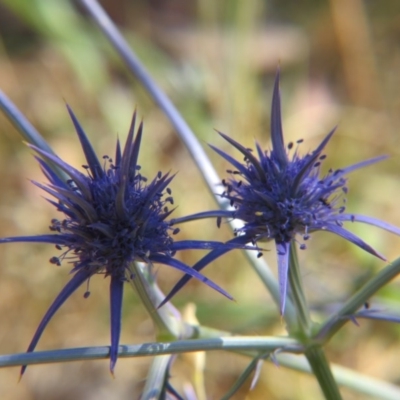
x,y
156,378
299,299
251,345
320,367
341,317
26,129
185,133
167,319
346,377
314,352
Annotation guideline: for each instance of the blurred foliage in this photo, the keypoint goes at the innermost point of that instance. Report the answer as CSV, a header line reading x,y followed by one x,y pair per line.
x,y
216,60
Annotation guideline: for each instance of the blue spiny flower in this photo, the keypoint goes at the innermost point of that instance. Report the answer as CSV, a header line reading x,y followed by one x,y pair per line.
x,y
281,196
112,216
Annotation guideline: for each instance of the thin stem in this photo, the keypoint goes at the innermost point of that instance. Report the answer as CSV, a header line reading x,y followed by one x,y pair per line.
x,y
346,377
322,371
315,354
166,319
297,291
112,33
155,380
340,318
26,129
235,344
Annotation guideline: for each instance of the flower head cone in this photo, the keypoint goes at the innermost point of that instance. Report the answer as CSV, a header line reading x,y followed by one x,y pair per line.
x,y
112,216
281,195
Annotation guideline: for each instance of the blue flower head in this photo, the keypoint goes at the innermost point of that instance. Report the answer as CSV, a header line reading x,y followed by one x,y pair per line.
x,y
282,196
112,216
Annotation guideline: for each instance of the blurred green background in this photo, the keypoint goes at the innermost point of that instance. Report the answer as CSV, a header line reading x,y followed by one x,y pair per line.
x,y
340,62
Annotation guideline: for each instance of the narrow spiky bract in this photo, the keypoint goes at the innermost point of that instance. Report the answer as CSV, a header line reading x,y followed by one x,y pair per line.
x,y
282,196
112,216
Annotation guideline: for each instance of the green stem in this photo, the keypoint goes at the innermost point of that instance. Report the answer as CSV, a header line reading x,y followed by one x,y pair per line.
x,y
314,354
339,318
27,131
356,381
155,380
321,369
241,344
167,319
299,299
345,377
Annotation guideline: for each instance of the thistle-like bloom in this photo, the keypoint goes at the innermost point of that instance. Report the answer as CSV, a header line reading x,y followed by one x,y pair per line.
x,y
282,196
112,216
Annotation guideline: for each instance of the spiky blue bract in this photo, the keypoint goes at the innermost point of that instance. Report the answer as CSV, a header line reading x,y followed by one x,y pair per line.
x,y
282,196
112,216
